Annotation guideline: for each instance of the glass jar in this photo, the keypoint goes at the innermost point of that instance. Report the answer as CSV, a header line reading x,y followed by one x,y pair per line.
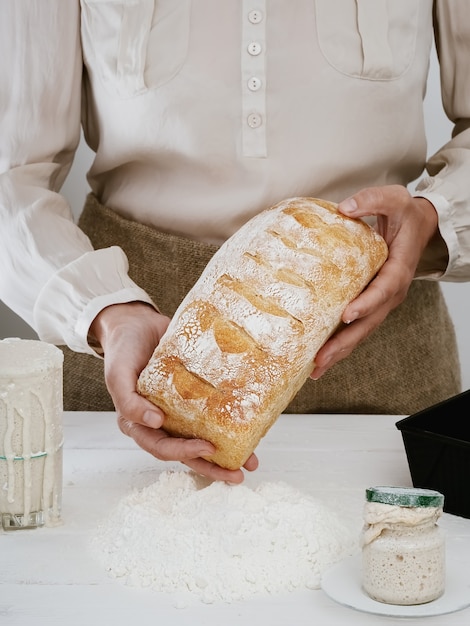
x,y
31,434
403,548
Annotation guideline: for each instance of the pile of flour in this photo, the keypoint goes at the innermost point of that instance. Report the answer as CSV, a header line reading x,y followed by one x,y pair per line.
x,y
219,542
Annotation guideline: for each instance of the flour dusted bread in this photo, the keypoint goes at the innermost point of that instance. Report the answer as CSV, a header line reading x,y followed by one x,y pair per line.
x,y
243,341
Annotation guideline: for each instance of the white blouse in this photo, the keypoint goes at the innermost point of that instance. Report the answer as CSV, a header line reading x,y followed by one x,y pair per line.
x,y
201,113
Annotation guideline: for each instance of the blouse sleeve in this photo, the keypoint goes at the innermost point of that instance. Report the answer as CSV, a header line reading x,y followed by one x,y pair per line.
x,y
50,275
447,180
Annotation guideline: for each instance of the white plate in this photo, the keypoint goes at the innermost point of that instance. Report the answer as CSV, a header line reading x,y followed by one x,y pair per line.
x,y
342,583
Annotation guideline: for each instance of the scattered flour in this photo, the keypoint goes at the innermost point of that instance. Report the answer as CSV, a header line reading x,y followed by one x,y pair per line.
x,y
217,542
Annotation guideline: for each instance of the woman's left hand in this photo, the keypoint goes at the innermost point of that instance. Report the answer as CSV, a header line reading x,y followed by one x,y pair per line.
x,y
407,224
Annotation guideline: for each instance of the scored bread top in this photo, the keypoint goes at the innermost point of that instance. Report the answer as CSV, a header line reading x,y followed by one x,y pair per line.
x,y
243,341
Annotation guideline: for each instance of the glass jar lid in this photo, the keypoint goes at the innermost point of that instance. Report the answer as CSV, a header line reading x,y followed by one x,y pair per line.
x,y
405,496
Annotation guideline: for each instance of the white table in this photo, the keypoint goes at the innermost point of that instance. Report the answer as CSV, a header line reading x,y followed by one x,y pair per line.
x,y
48,576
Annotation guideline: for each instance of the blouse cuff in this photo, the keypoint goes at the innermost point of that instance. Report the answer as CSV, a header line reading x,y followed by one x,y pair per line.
x,y
73,297
442,253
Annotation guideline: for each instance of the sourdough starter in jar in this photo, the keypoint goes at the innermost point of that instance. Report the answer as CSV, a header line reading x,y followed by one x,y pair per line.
x,y
403,549
30,433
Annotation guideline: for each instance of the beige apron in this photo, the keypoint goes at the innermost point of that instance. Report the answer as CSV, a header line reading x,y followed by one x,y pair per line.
x,y
410,362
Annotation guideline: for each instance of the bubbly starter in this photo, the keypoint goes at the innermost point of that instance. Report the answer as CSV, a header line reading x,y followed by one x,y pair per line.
x,y
31,435
403,554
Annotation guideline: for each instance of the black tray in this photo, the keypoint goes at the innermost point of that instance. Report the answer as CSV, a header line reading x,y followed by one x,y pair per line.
x,y
437,445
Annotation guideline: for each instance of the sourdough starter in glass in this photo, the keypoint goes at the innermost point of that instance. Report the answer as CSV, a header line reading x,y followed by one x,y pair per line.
x,y
30,433
403,549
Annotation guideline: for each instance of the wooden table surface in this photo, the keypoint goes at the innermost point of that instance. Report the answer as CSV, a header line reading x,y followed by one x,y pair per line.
x,y
49,576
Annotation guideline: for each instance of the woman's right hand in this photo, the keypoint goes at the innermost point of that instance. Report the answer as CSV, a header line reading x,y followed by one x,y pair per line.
x,y
128,334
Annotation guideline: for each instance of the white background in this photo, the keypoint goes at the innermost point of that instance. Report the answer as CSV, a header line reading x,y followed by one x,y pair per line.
x,y
438,129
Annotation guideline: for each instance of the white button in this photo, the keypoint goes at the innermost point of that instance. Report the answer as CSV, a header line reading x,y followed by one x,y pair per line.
x,y
254,83
254,48
254,120
255,16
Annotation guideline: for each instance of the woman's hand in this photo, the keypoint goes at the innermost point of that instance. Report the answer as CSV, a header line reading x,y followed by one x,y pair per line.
x,y
128,334
407,224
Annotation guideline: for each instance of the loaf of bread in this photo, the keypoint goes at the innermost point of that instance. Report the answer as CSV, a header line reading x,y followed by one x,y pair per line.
x,y
244,339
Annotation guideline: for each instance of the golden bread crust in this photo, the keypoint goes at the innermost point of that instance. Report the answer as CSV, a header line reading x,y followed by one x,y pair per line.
x,y
243,341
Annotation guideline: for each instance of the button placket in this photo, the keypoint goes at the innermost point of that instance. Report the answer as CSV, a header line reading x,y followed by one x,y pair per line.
x,y
253,73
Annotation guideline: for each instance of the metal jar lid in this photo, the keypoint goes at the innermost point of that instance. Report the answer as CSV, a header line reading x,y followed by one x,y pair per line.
x,y
405,496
